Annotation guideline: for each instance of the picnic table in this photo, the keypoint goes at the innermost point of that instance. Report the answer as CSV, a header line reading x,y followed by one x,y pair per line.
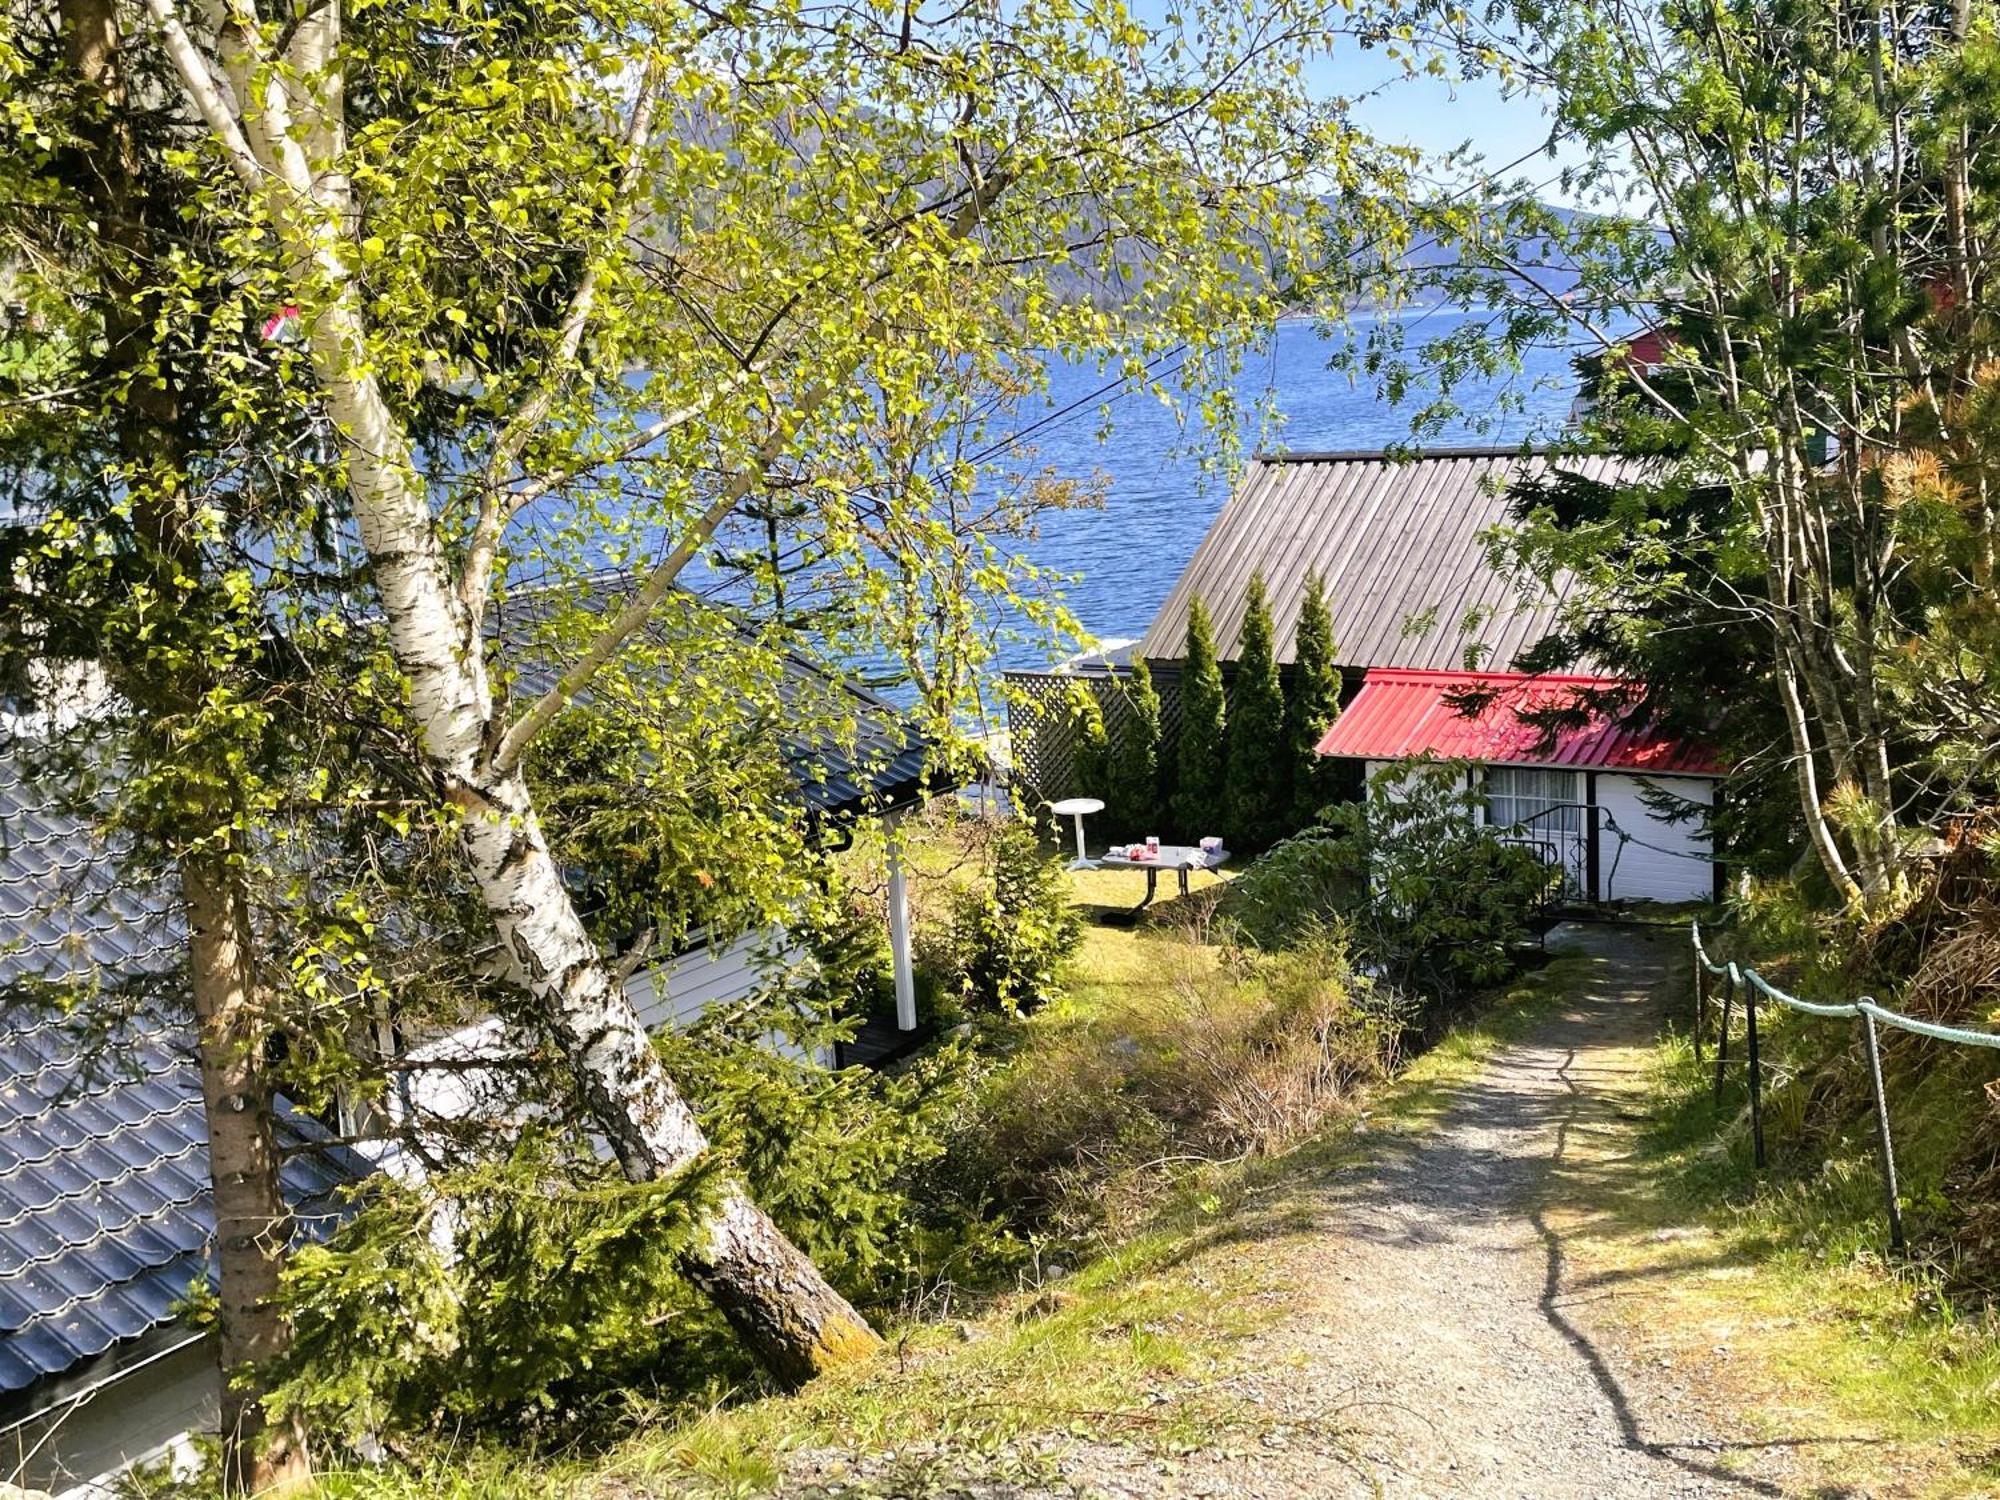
x,y
1180,858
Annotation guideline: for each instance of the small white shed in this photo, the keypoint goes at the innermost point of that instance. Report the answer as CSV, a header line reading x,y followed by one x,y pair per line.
x,y
1622,807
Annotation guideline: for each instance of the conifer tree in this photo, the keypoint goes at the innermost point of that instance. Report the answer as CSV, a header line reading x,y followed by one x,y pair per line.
x,y
1198,793
1259,791
1312,703
1092,762
1133,784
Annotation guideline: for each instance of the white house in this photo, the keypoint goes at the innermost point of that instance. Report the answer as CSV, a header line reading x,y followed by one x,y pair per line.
x,y
1620,807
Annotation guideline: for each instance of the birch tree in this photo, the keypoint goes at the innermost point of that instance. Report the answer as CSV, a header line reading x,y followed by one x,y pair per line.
x,y
651,264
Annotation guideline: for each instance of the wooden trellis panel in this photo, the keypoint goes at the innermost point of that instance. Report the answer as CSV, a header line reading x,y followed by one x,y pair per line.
x,y
1042,724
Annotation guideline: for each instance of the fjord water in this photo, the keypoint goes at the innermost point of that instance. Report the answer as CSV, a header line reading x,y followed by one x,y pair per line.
x,y
1123,558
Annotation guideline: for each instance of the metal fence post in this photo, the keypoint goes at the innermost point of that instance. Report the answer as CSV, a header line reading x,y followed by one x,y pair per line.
x,y
1756,1077
1883,1141
1722,1035
1700,1003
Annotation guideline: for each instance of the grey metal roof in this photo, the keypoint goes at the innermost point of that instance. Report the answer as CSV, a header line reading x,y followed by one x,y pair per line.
x,y
105,1213
1396,542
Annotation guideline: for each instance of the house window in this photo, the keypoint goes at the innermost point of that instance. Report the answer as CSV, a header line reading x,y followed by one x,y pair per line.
x,y
1518,796
1537,808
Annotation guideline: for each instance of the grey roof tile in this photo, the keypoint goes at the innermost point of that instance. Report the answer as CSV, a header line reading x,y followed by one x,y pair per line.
x,y
105,1216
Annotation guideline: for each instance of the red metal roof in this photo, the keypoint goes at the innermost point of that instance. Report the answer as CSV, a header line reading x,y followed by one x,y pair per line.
x,y
1401,712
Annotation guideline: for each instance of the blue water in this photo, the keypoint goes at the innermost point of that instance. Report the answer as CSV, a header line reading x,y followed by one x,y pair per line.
x,y
1125,556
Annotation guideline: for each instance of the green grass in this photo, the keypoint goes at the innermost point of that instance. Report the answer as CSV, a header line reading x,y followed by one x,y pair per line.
x,y
1787,1269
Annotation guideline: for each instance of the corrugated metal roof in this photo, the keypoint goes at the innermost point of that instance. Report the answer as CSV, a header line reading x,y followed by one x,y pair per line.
x,y
1396,542
1400,713
105,1213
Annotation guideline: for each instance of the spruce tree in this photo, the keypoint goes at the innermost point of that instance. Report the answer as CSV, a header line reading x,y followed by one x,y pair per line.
x,y
1198,794
1312,703
1092,761
1259,791
1133,785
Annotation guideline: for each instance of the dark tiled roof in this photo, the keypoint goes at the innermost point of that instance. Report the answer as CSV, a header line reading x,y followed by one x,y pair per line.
x,y
105,1214
878,758
1396,541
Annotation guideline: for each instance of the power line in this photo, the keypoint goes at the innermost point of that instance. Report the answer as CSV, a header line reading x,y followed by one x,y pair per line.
x,y
1123,386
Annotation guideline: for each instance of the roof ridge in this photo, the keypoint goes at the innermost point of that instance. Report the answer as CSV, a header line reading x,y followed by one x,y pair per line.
x,y
1411,456
1498,674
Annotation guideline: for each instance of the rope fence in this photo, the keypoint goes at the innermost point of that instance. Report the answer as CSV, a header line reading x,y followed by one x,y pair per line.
x,y
1749,985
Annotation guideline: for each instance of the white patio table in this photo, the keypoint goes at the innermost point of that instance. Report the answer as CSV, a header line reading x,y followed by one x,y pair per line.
x,y
1180,858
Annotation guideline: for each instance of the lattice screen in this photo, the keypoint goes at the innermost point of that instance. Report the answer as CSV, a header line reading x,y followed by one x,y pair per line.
x,y
1042,724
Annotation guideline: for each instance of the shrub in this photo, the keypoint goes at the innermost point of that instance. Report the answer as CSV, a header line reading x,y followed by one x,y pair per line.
x,y
1088,1125
564,1291
1199,755
1008,940
1432,900
1296,888
1312,703
1132,774
1259,791
561,1280
1091,763
832,1155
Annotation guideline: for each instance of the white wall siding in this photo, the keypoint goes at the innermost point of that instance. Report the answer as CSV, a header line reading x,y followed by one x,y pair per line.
x,y
675,992
669,994
144,1416
1676,867
1661,861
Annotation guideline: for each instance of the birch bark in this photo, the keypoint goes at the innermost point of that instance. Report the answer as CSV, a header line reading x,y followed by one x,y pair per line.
x,y
787,1314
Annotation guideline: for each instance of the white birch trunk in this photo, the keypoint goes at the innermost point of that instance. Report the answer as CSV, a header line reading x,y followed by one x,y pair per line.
x,y
789,1316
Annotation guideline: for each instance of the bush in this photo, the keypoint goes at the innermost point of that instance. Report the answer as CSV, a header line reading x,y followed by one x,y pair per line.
x,y
1132,778
1199,780
1433,902
1312,704
1259,800
1008,940
563,1293
1089,1125
832,1155
557,1294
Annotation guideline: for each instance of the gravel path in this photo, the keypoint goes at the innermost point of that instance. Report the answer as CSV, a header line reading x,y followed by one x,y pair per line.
x,y
1436,1340
1438,1346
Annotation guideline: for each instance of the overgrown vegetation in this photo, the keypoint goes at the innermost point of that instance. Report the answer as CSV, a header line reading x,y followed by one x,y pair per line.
x,y
1139,1284
1431,900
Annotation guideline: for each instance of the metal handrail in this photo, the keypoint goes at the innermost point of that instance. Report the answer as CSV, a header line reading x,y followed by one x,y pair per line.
x,y
1750,985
